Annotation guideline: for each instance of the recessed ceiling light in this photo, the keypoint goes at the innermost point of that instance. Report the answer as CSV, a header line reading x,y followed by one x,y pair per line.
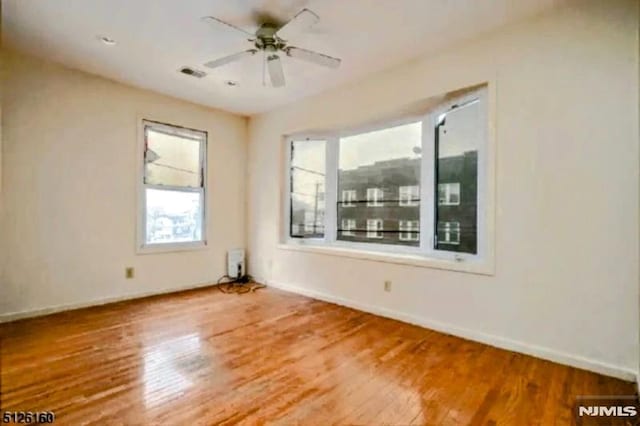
x,y
231,83
107,40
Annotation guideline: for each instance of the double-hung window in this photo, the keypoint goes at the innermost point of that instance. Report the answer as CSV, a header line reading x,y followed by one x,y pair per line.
x,y
409,230
409,195
374,197
449,194
449,233
374,228
415,185
349,197
173,187
348,227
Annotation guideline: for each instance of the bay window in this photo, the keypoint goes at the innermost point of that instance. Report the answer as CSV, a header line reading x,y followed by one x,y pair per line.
x,y
414,186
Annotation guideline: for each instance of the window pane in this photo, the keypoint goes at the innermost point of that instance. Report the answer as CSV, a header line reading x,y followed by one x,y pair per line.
x,y
308,188
173,216
172,160
458,135
382,171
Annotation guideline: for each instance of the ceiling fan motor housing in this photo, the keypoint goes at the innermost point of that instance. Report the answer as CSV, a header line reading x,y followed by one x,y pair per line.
x,y
266,39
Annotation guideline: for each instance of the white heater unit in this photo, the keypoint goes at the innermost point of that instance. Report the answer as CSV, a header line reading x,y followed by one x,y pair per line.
x,y
235,263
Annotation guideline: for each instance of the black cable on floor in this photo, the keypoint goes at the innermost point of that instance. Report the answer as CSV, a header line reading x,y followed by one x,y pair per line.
x,y
242,285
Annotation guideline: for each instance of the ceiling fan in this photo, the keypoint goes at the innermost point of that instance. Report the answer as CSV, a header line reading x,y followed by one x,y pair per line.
x,y
272,40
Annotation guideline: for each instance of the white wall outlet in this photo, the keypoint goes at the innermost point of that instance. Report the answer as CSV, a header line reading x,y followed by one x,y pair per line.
x,y
387,285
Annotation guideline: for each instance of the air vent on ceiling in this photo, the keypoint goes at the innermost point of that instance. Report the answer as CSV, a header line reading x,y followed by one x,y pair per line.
x,y
192,72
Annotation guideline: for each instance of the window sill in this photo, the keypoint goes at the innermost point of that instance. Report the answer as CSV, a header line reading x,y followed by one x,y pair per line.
x,y
467,266
172,247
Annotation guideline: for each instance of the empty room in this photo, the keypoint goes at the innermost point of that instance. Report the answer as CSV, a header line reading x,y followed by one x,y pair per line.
x,y
319,212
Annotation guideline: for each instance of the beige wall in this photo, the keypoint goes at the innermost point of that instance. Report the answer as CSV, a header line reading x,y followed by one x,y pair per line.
x,y
566,237
69,222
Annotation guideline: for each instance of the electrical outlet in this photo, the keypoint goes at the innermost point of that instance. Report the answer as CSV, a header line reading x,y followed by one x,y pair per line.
x,y
129,272
387,286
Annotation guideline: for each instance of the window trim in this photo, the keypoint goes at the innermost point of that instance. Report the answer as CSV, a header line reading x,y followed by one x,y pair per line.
x,y
424,255
186,132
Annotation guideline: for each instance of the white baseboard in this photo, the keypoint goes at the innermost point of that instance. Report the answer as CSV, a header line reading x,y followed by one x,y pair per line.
x,y
489,339
12,316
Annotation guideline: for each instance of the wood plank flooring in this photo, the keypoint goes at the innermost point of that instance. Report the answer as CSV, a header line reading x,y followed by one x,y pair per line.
x,y
203,357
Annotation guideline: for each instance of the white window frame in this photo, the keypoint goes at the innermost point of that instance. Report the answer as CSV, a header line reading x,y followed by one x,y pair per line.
x,y
406,195
408,230
425,254
375,196
376,230
142,247
329,198
348,197
347,228
448,192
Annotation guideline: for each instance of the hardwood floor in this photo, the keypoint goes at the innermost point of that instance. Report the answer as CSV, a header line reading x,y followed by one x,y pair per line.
x,y
203,357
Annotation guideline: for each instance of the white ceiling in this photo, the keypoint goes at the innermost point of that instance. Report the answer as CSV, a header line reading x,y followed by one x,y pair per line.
x,y
157,37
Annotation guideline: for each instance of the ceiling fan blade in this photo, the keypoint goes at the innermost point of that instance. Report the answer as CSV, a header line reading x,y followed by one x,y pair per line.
x,y
276,73
303,20
222,24
314,57
231,58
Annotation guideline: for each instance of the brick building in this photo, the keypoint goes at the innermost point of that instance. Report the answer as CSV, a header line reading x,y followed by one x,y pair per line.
x,y
380,203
